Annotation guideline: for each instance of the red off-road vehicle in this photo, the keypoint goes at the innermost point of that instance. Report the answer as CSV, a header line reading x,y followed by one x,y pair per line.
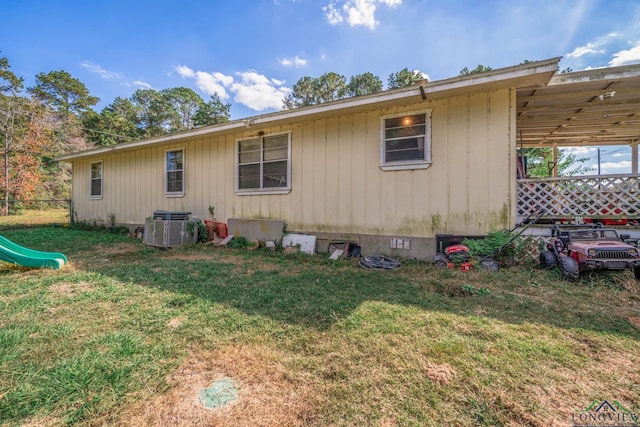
x,y
580,249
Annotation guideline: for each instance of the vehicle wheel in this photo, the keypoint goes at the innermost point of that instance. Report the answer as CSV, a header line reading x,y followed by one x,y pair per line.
x,y
440,260
569,268
636,272
548,260
487,263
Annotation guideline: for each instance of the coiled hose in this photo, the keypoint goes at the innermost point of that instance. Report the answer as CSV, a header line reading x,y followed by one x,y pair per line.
x,y
378,262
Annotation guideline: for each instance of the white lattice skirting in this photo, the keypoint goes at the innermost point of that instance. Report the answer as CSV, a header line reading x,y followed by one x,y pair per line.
x,y
609,196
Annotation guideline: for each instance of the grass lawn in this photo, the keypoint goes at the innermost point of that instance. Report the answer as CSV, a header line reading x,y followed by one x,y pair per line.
x,y
128,335
35,217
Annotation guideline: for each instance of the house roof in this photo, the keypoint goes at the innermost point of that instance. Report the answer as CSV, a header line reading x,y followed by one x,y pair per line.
x,y
532,74
593,107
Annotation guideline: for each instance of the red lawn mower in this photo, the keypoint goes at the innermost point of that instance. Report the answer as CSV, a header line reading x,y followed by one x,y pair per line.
x,y
456,254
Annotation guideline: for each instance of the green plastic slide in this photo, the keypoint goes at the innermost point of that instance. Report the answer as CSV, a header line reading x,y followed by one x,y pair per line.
x,y
16,254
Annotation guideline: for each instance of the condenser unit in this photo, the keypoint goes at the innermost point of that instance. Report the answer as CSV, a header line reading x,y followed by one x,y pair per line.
x,y
169,233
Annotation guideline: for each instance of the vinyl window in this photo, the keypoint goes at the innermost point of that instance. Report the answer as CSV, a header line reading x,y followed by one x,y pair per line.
x,y
406,141
264,164
174,173
95,185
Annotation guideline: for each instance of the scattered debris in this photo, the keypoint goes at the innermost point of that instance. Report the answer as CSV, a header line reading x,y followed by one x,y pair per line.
x,y
226,240
138,233
336,254
290,250
306,243
378,262
349,249
253,245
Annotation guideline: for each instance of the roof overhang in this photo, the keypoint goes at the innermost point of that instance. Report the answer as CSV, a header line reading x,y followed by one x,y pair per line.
x,y
532,74
593,107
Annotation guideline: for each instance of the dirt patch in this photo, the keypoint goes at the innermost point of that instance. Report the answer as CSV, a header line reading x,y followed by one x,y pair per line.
x,y
174,323
190,257
269,394
117,249
635,321
68,289
441,374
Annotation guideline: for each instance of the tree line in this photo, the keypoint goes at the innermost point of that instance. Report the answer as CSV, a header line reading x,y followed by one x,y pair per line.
x,y
55,116
333,86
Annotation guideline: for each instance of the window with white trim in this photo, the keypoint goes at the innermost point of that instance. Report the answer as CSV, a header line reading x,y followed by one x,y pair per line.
x,y
174,173
264,164
406,141
95,190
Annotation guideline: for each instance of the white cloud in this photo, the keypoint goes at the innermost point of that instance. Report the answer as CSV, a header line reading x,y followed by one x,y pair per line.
x,y
185,71
332,14
209,83
616,167
113,75
259,92
142,84
357,12
361,12
580,151
625,57
594,47
105,74
584,50
294,62
252,90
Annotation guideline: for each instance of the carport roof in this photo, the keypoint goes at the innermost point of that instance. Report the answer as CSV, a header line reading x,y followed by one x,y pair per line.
x,y
593,107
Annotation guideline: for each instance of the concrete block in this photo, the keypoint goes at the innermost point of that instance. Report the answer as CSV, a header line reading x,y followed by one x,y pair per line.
x,y
256,229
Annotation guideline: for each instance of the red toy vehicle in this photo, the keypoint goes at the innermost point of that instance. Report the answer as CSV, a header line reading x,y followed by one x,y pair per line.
x,y
589,249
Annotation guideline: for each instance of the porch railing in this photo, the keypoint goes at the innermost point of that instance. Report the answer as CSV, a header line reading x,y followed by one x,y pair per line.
x,y
581,197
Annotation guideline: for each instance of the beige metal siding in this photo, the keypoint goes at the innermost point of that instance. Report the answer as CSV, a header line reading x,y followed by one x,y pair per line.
x,y
336,182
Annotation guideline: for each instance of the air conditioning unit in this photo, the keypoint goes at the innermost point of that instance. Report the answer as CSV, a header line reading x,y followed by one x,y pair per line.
x,y
170,233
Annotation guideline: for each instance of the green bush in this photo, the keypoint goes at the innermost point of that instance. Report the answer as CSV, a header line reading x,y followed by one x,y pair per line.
x,y
239,242
489,245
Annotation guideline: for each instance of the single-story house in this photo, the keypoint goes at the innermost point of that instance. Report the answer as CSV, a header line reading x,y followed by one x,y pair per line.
x,y
388,170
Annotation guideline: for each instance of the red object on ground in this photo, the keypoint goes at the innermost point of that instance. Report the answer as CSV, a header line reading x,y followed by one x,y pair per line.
x,y
221,230
454,249
211,228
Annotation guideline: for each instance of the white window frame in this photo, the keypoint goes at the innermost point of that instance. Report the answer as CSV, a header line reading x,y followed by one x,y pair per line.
x,y
406,164
180,193
267,190
92,179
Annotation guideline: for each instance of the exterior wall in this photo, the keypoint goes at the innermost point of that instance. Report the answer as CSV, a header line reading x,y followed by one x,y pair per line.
x,y
337,186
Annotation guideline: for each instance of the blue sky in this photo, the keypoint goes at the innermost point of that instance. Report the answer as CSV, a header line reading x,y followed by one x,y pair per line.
x,y
252,51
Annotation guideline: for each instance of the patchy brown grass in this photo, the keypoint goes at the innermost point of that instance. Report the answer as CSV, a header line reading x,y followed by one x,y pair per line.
x,y
314,343
117,249
270,394
441,374
69,288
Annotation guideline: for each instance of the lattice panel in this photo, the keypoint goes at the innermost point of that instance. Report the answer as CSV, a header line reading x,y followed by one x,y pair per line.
x,y
585,196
